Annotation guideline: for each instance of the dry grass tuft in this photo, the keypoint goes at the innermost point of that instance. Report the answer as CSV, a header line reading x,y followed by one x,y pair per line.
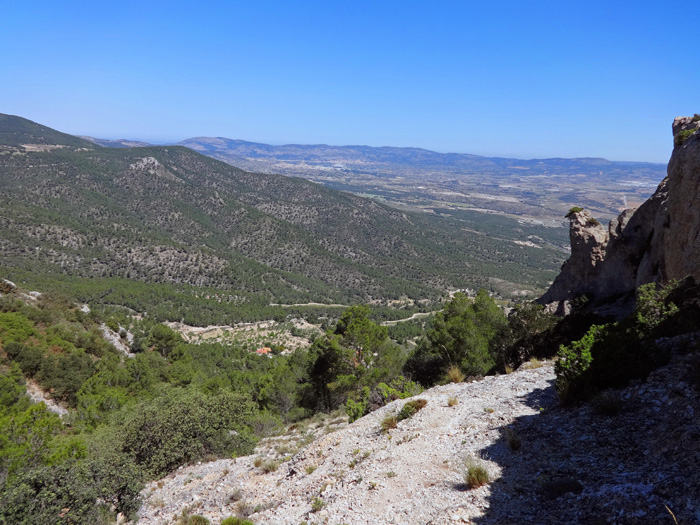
x,y
455,375
475,474
389,422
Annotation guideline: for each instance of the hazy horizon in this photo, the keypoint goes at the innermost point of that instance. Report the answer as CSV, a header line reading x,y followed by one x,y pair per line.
x,y
519,80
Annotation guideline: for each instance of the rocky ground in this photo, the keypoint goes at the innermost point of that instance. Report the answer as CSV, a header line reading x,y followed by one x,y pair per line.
x,y
633,456
260,334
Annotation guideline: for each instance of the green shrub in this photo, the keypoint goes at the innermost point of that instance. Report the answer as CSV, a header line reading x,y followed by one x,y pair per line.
x,y
682,136
15,327
653,306
398,388
186,426
356,409
609,356
573,211
573,362
317,505
465,334
91,491
232,520
410,408
197,520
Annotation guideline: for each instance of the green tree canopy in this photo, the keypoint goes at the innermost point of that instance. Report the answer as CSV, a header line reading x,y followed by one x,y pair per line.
x,y
464,334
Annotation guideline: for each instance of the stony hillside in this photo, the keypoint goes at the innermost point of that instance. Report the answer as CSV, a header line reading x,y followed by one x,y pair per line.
x,y
622,459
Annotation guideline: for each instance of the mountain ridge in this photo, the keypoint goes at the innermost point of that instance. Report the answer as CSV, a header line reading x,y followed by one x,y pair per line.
x,y
167,214
238,147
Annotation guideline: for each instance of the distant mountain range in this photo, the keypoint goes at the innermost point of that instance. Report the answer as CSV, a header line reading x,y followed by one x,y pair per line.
x,y
236,150
539,190
240,151
120,143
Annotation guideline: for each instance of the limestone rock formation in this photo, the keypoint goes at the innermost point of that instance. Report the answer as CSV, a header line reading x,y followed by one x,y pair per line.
x,y
657,242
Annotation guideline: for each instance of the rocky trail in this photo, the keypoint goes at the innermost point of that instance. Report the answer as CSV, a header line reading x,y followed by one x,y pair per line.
x,y
360,474
546,464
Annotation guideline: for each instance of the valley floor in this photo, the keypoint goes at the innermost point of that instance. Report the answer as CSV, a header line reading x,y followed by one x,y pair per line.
x,y
573,465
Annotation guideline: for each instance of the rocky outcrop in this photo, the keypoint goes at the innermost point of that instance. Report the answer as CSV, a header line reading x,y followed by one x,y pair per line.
x,y
657,242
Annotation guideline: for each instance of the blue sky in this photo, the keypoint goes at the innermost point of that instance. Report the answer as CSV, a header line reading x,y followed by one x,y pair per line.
x,y
510,78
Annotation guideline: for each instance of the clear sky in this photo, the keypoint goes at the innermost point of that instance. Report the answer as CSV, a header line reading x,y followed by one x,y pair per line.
x,y
524,78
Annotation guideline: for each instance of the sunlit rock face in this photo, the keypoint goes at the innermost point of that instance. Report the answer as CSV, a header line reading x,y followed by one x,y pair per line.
x,y
657,242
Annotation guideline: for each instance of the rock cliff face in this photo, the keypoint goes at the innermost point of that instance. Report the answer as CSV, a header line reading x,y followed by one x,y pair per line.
x,y
657,242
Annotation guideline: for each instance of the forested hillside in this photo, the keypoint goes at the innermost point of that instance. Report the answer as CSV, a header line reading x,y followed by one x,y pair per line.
x,y
102,219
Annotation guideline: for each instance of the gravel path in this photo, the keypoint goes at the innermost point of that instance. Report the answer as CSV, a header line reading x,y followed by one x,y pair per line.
x,y
632,458
357,475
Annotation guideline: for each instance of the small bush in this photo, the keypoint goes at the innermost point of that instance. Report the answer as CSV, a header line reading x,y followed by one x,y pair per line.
x,y
452,401
391,474
311,469
317,505
455,375
389,422
573,211
410,408
197,520
475,474
232,520
682,136
573,362
258,461
270,465
653,306
592,222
